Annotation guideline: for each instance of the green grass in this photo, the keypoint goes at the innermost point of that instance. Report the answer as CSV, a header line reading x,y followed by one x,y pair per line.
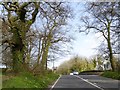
x,y
27,80
110,74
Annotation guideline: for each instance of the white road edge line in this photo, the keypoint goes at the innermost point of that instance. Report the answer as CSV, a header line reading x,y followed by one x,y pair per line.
x,y
89,82
55,83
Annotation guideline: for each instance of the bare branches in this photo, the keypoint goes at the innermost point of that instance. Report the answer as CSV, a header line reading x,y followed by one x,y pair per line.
x,y
25,4
34,14
7,7
103,19
59,39
5,49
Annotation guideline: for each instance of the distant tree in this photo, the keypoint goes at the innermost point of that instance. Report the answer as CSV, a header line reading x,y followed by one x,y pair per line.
x,y
75,64
94,62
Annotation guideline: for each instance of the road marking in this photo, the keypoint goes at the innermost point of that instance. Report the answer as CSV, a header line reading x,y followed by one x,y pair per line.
x,y
55,83
89,82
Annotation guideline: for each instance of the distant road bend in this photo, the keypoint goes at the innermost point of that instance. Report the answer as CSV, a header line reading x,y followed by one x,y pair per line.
x,y
85,82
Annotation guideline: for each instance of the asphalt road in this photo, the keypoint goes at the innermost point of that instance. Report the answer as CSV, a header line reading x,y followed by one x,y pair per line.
x,y
85,82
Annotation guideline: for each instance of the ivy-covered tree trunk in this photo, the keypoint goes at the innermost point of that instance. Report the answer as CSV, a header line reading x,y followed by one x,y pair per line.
x,y
19,24
17,60
17,51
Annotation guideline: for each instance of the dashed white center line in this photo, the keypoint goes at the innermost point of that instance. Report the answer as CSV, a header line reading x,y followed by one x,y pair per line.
x,y
93,84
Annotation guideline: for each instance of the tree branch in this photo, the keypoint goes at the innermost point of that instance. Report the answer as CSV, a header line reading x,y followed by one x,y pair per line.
x,y
34,14
4,49
55,41
25,4
7,8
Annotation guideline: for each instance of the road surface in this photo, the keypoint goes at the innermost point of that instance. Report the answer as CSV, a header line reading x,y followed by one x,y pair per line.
x,y
85,82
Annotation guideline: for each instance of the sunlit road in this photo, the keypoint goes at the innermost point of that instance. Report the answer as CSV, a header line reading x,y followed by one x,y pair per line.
x,y
85,82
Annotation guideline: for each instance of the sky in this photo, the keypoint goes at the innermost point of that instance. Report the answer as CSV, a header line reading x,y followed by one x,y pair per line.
x,y
83,45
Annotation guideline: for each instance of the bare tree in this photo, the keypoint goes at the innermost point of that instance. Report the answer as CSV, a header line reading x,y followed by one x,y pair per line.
x,y
103,20
50,33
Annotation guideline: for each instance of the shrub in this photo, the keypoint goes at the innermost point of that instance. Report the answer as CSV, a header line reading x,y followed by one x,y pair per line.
x,y
110,74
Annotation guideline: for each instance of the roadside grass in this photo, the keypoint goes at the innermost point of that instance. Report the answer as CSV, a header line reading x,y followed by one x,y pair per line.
x,y
110,74
27,80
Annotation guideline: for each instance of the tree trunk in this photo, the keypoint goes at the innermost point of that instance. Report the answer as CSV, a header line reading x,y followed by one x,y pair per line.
x,y
110,49
17,60
44,57
17,51
111,57
45,52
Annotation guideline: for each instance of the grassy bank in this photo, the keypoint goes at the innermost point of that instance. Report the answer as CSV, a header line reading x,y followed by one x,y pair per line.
x,y
110,74
27,80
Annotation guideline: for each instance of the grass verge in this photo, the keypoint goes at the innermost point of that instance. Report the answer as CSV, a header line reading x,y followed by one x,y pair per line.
x,y
110,74
27,80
